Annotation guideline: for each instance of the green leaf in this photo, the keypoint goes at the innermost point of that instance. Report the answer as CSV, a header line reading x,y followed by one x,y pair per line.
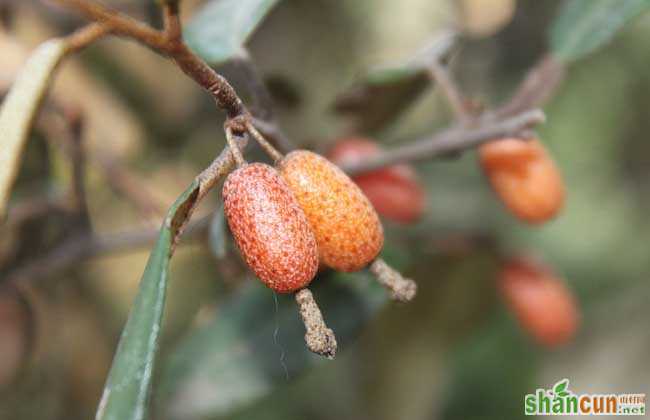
x,y
242,354
384,93
219,31
127,389
20,109
582,26
559,389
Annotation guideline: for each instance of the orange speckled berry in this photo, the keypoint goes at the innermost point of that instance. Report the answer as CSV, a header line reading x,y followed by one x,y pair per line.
x,y
347,228
270,228
542,303
524,176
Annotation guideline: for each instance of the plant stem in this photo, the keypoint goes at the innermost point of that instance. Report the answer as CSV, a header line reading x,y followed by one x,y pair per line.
x,y
234,150
440,74
400,288
172,23
452,140
268,148
319,338
85,36
168,43
118,23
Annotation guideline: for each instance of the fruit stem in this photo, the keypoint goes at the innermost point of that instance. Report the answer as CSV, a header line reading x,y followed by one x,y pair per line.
x,y
401,289
232,145
319,338
264,143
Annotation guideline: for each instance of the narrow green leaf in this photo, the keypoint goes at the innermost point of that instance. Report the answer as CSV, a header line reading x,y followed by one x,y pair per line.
x,y
219,31
127,389
251,347
21,107
582,26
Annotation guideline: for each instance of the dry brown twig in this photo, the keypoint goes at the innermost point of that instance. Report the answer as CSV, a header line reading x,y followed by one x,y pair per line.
x,y
438,73
451,140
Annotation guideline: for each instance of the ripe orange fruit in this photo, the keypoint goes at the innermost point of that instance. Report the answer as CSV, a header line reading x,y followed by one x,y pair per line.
x,y
525,177
395,191
270,228
346,226
540,301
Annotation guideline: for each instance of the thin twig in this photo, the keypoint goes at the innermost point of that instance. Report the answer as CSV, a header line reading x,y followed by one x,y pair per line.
x,y
64,131
84,246
78,159
124,183
87,244
319,338
401,288
193,66
262,109
34,207
537,88
262,106
234,150
119,23
456,101
57,127
273,131
452,140
172,22
268,148
85,36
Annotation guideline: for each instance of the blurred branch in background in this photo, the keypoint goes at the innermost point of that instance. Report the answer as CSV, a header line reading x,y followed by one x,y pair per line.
x,y
88,245
62,123
262,106
451,141
538,87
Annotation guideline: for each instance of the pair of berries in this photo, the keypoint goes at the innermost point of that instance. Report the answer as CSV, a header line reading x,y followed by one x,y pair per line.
x,y
286,220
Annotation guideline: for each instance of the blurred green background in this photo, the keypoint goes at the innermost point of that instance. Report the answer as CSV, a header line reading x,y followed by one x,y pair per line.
x,y
455,352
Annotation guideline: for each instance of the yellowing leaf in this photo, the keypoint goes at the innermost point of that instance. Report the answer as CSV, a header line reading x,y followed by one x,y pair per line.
x,y
20,108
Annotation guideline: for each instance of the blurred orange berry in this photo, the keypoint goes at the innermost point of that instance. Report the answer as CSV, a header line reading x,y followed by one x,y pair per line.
x,y
541,302
525,177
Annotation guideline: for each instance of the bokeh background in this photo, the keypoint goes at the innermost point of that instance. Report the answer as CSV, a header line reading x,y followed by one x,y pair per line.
x,y
455,352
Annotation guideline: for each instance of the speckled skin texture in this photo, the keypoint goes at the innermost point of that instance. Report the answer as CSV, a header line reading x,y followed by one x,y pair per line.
x,y
394,191
524,176
270,228
542,303
347,228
